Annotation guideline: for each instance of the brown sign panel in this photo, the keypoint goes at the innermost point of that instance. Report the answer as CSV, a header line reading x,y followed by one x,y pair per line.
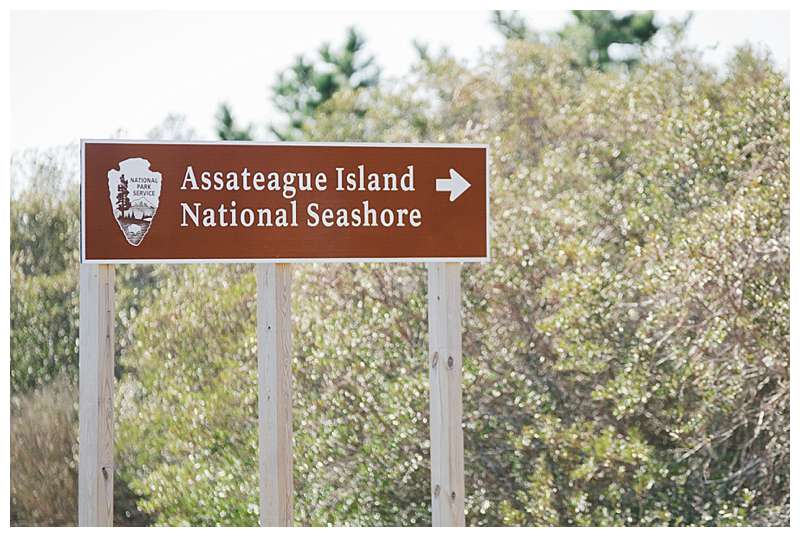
x,y
187,202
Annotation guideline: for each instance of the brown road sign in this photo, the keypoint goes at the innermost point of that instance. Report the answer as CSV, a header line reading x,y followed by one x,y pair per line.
x,y
187,202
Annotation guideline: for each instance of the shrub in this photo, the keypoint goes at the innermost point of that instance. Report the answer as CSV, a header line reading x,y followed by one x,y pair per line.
x,y
625,352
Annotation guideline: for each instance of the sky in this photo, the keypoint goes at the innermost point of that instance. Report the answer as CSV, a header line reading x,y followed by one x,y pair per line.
x,y
101,74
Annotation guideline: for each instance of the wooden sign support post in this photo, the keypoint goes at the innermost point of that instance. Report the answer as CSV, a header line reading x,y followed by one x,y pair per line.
x,y
96,468
274,335
447,439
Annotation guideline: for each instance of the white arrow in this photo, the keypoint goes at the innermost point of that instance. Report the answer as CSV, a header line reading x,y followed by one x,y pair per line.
x,y
456,185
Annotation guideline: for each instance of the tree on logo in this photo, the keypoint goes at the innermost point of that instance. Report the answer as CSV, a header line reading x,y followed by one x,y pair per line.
x,y
123,201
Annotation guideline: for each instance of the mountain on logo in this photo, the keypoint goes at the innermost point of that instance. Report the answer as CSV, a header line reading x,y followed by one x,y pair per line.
x,y
134,216
142,209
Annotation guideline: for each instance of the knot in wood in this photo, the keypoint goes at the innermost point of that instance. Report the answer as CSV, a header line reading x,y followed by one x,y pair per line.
x,y
449,362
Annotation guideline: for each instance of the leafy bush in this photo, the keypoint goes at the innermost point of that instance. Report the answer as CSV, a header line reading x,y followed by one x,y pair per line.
x,y
625,352
188,407
45,226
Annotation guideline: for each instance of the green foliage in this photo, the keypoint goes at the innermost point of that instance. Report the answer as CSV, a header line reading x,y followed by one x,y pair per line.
x,y
625,352
592,34
511,25
44,212
199,471
44,257
44,328
188,406
227,129
302,89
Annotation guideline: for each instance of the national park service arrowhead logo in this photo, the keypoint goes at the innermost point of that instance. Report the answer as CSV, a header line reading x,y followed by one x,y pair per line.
x,y
134,190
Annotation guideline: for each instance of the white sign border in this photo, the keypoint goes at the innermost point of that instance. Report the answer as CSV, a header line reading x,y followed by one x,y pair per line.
x,y
293,260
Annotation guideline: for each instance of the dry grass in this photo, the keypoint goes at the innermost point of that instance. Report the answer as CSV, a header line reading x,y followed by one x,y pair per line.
x,y
44,456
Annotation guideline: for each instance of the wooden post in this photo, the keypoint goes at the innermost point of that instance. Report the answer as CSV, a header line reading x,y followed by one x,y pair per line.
x,y
274,334
447,439
96,405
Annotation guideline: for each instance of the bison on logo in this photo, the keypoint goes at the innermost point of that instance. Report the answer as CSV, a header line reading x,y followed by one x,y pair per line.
x,y
134,190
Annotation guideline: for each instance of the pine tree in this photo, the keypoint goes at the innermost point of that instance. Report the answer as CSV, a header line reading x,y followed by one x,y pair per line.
x,y
305,86
123,201
595,31
227,127
302,88
592,33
